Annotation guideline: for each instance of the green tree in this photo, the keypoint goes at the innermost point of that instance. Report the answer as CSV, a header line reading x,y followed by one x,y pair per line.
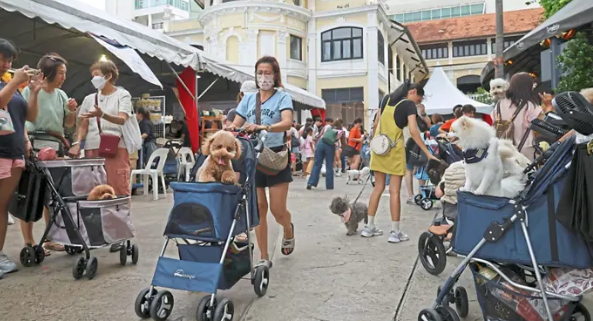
x,y
482,95
576,63
550,6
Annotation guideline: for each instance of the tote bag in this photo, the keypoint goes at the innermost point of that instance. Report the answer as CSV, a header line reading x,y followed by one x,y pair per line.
x,y
131,134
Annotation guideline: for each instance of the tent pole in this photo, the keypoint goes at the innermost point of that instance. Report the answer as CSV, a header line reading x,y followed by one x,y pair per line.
x,y
555,51
207,88
182,83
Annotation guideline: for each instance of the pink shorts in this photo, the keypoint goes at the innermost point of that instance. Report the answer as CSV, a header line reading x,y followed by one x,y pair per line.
x,y
6,166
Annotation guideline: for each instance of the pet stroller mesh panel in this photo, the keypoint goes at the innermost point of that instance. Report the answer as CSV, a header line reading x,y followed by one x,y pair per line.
x,y
76,177
205,211
502,302
553,244
29,198
100,223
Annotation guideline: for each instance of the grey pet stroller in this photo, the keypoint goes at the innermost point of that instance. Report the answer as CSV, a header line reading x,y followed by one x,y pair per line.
x,y
80,225
203,223
509,246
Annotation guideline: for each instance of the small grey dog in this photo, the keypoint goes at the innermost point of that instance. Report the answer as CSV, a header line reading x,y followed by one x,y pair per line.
x,y
350,214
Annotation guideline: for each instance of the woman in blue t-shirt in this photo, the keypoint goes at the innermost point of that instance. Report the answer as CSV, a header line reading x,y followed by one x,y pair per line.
x,y
276,119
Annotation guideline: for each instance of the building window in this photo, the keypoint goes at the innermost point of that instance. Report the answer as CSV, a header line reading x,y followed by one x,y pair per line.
x,y
438,51
296,48
158,25
341,44
398,67
470,48
343,95
442,13
381,95
381,47
507,43
390,60
179,4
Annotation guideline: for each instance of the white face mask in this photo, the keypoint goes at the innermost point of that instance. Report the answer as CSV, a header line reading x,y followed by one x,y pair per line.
x,y
99,82
265,82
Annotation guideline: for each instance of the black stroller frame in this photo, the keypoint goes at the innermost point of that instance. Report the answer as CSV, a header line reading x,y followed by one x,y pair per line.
x,y
86,265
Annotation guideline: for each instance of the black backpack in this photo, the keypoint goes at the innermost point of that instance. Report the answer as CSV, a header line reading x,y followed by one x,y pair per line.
x,y
294,141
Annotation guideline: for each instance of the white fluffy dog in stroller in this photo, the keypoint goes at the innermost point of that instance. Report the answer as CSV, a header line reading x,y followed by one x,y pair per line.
x,y
483,166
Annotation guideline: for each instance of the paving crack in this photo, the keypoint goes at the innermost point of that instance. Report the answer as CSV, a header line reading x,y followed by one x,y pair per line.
x,y
402,300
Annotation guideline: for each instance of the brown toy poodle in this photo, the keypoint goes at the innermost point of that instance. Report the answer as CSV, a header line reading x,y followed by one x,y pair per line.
x,y
101,192
220,148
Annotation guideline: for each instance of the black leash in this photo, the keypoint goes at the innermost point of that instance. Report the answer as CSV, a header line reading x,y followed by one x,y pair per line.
x,y
363,187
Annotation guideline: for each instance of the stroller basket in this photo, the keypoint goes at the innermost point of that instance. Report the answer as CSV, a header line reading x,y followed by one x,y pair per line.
x,y
501,301
205,212
552,243
100,223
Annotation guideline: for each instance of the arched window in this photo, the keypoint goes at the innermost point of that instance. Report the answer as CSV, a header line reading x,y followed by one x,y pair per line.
x,y
343,43
381,47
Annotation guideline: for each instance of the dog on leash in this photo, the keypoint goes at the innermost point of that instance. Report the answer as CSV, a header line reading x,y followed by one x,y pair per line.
x,y
483,165
101,192
358,175
350,214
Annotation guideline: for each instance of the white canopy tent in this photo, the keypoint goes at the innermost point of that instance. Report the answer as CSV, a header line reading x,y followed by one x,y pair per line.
x,y
440,95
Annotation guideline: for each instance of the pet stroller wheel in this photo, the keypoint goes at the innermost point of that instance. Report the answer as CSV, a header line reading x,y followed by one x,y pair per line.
x,y
224,311
205,311
418,199
123,254
91,267
27,256
39,254
432,253
142,304
580,313
262,279
448,314
162,306
426,204
135,253
461,302
78,268
429,315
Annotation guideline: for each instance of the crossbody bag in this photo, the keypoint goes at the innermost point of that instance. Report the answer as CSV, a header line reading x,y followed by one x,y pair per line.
x,y
269,162
109,142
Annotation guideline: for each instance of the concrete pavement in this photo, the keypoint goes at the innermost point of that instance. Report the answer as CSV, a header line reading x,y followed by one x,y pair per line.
x,y
329,277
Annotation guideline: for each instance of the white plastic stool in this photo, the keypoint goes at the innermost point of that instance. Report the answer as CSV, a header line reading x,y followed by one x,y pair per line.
x,y
186,162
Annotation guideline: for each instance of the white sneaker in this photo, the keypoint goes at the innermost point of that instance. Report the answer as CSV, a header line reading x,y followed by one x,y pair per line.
x,y
6,265
396,237
10,219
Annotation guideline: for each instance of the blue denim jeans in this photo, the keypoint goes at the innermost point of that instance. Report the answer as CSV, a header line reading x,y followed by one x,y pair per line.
x,y
323,152
343,160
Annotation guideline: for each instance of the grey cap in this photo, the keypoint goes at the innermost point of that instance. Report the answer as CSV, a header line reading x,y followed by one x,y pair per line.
x,y
248,87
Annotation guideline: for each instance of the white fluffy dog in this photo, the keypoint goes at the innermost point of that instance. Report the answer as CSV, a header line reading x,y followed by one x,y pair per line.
x,y
358,175
514,164
498,88
483,165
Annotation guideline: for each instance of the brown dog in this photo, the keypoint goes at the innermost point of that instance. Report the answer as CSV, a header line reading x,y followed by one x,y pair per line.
x,y
220,148
101,192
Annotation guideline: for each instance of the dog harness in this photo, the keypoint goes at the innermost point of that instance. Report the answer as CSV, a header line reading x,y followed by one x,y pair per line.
x,y
346,215
475,155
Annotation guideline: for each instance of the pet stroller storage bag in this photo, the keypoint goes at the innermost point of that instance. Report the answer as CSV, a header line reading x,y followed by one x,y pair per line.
x,y
99,222
553,244
29,198
76,177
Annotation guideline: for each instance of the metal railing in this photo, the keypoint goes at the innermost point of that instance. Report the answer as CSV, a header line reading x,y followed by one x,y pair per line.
x,y
179,4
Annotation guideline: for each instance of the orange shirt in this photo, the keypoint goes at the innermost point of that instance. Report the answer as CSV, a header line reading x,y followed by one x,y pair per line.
x,y
447,125
355,133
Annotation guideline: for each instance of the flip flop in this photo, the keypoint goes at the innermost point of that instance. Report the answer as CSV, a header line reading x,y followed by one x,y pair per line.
x,y
54,247
288,245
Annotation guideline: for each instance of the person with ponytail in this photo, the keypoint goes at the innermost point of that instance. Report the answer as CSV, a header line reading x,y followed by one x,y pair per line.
x,y
397,112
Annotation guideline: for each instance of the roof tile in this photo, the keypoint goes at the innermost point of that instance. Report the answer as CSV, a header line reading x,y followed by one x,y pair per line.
x,y
478,26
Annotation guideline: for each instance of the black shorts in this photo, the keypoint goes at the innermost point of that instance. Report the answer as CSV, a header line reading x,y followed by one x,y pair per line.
x,y
350,151
264,180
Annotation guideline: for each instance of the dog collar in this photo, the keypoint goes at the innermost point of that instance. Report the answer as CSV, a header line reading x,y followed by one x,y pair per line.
x,y
475,155
346,215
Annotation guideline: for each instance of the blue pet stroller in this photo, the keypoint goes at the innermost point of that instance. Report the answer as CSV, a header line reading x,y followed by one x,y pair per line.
x,y
206,217
509,245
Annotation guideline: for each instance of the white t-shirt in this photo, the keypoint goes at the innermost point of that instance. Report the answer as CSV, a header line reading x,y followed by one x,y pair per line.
x,y
119,101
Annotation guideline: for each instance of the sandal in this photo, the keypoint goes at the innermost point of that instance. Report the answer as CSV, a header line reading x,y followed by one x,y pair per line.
x,y
46,251
288,245
264,263
54,246
241,238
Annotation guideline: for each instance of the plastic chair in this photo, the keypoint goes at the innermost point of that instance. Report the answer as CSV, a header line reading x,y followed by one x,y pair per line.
x,y
161,154
186,162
